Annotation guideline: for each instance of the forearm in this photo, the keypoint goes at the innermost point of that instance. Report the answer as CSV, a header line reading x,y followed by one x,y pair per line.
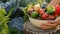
x,y
54,3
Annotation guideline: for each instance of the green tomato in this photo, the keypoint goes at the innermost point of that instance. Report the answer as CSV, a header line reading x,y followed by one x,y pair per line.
x,y
50,10
2,11
34,14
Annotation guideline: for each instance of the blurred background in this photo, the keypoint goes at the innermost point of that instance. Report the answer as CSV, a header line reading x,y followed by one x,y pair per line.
x,y
17,21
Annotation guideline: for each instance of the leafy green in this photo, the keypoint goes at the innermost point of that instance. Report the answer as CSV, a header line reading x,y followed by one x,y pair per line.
x,y
2,10
26,2
4,0
15,31
48,1
25,14
4,19
8,0
50,10
40,1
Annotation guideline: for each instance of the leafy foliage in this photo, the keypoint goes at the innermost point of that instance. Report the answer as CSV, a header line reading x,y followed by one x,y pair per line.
x,y
4,19
15,31
48,1
4,0
25,14
26,2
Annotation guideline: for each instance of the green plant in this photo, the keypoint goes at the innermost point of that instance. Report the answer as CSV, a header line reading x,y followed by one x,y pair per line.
x,y
15,31
40,1
4,0
4,19
8,0
26,2
48,1
25,14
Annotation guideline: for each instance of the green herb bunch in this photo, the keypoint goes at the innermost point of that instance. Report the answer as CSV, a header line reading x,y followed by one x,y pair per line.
x,y
25,14
4,19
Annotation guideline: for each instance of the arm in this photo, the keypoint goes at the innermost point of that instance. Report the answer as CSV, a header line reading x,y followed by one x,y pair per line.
x,y
57,20
54,3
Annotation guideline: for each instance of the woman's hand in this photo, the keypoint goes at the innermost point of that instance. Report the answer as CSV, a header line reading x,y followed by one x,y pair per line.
x,y
49,25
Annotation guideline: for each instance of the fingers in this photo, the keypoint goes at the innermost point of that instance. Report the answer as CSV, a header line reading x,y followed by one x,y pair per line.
x,y
51,25
43,26
52,22
48,26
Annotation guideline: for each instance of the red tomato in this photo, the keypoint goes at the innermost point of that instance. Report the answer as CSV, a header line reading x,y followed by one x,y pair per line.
x,y
57,10
55,15
41,11
44,16
51,16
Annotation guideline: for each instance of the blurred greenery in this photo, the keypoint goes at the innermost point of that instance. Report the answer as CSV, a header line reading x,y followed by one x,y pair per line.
x,y
8,0
4,0
25,14
14,31
48,1
4,19
26,2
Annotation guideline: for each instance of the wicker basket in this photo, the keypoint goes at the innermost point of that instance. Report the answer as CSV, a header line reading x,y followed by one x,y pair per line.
x,y
31,29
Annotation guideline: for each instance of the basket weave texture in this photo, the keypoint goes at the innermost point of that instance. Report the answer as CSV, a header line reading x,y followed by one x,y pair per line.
x,y
31,29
